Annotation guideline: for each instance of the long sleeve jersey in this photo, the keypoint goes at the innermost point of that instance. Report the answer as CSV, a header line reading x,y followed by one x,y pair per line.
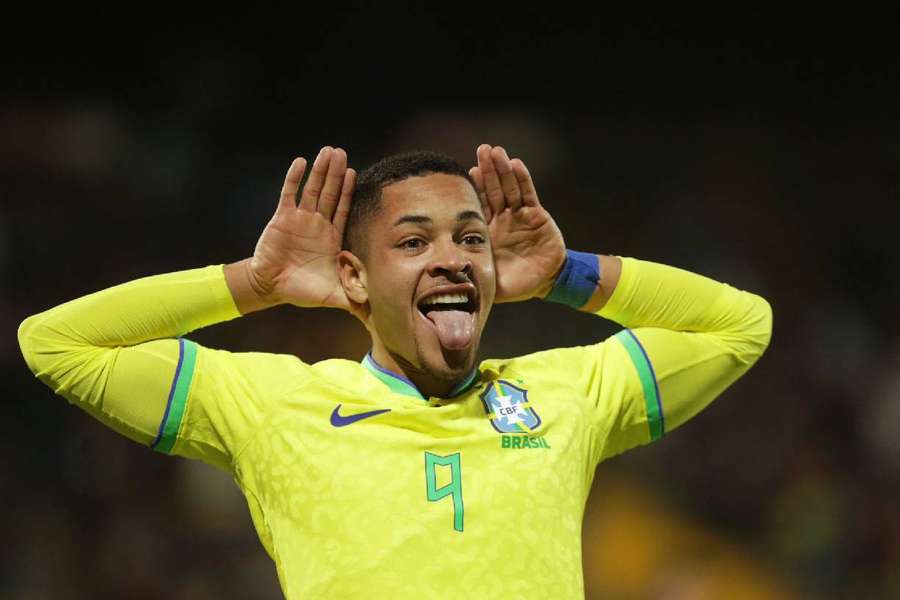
x,y
358,485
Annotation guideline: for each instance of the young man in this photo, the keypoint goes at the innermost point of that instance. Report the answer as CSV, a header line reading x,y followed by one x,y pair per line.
x,y
417,472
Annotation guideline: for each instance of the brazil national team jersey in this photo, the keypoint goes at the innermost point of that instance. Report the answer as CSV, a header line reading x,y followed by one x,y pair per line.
x,y
360,487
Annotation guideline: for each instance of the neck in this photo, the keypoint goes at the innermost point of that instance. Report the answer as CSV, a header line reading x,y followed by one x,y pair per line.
x,y
426,383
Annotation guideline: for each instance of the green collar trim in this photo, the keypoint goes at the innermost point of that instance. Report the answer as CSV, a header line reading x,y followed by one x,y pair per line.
x,y
465,384
398,383
401,385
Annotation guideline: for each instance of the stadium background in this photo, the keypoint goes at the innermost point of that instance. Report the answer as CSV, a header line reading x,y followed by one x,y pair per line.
x,y
763,155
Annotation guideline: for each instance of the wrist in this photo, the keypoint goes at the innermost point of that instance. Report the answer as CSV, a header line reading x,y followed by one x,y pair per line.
x,y
248,296
577,280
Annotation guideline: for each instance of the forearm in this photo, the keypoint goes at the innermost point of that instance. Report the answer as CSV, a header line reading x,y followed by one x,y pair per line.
x,y
650,294
688,339
113,352
639,293
695,336
155,307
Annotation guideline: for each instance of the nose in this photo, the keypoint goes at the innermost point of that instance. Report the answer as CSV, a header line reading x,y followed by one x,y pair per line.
x,y
449,261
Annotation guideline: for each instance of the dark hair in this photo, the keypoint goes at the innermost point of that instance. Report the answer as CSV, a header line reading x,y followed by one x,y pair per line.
x,y
371,182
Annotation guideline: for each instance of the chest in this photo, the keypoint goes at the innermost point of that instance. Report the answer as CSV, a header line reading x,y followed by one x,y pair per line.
x,y
502,449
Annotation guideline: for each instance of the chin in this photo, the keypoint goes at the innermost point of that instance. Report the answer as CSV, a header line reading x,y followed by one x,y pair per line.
x,y
451,365
457,365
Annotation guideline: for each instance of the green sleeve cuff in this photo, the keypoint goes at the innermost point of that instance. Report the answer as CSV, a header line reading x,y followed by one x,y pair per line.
x,y
178,394
644,368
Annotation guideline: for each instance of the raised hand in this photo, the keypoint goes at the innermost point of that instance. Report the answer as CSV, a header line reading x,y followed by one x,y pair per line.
x,y
528,247
295,260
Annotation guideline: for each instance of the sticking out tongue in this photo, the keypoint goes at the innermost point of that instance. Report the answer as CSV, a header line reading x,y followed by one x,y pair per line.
x,y
455,328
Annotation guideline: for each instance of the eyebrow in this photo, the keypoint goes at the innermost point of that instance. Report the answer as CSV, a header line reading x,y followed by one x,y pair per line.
x,y
465,215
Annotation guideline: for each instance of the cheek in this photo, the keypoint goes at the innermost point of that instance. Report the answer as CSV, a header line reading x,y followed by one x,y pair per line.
x,y
391,292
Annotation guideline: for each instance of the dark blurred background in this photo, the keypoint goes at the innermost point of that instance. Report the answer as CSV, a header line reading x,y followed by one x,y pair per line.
x,y
757,152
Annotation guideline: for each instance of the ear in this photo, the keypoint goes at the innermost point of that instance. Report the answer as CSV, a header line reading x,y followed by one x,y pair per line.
x,y
352,272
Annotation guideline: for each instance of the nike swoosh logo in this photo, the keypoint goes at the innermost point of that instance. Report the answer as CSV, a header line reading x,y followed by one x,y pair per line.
x,y
339,420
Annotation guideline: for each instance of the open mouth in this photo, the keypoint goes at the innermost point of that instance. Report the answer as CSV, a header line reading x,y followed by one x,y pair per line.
x,y
443,302
452,313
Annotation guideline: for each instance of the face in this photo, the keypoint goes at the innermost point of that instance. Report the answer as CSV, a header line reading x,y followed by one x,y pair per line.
x,y
429,275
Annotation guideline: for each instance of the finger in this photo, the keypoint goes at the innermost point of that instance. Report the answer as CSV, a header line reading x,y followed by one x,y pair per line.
x,y
331,191
526,185
288,197
343,207
508,180
492,189
313,187
478,178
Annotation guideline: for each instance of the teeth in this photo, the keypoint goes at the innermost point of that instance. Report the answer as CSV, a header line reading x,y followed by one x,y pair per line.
x,y
446,299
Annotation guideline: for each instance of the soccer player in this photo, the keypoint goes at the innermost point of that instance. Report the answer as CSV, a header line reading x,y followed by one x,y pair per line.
x,y
418,471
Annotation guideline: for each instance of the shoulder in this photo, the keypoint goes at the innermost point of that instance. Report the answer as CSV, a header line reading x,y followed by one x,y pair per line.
x,y
563,361
333,372
253,363
338,369
247,373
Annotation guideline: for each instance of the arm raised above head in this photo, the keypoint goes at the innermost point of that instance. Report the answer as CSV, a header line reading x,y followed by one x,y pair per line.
x,y
687,339
119,353
698,335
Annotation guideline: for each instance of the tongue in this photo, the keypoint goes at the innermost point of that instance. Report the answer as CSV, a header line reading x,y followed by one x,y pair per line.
x,y
455,328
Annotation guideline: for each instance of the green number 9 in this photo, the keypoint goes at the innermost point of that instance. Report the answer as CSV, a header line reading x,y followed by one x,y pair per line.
x,y
454,488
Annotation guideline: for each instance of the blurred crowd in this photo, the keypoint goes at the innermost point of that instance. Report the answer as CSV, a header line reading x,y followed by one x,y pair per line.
x,y
787,486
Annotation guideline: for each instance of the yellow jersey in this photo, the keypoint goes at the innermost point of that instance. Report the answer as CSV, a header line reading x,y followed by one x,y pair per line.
x,y
359,486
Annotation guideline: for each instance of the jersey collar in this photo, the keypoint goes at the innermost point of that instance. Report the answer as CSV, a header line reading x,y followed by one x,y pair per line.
x,y
401,385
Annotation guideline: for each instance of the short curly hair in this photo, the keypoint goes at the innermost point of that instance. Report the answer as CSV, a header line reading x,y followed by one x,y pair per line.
x,y
391,169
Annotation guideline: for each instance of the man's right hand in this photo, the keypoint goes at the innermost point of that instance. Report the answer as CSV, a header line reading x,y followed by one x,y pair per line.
x,y
295,260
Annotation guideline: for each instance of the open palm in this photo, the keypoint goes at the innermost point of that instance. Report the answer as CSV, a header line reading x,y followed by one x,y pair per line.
x,y
295,260
528,247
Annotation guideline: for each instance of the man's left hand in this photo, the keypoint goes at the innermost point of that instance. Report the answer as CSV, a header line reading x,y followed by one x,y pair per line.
x,y
528,247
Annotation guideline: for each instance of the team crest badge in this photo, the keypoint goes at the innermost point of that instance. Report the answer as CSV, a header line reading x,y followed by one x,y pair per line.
x,y
509,409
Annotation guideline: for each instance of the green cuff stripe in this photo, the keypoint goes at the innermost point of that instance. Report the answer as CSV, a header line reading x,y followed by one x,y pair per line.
x,y
648,382
184,373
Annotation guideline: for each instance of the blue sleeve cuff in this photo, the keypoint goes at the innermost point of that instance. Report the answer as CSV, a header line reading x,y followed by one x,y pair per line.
x,y
577,281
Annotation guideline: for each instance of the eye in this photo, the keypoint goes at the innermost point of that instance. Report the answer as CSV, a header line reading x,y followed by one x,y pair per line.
x,y
411,244
473,239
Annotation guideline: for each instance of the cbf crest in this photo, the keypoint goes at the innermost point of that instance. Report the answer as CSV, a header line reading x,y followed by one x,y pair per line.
x,y
509,409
